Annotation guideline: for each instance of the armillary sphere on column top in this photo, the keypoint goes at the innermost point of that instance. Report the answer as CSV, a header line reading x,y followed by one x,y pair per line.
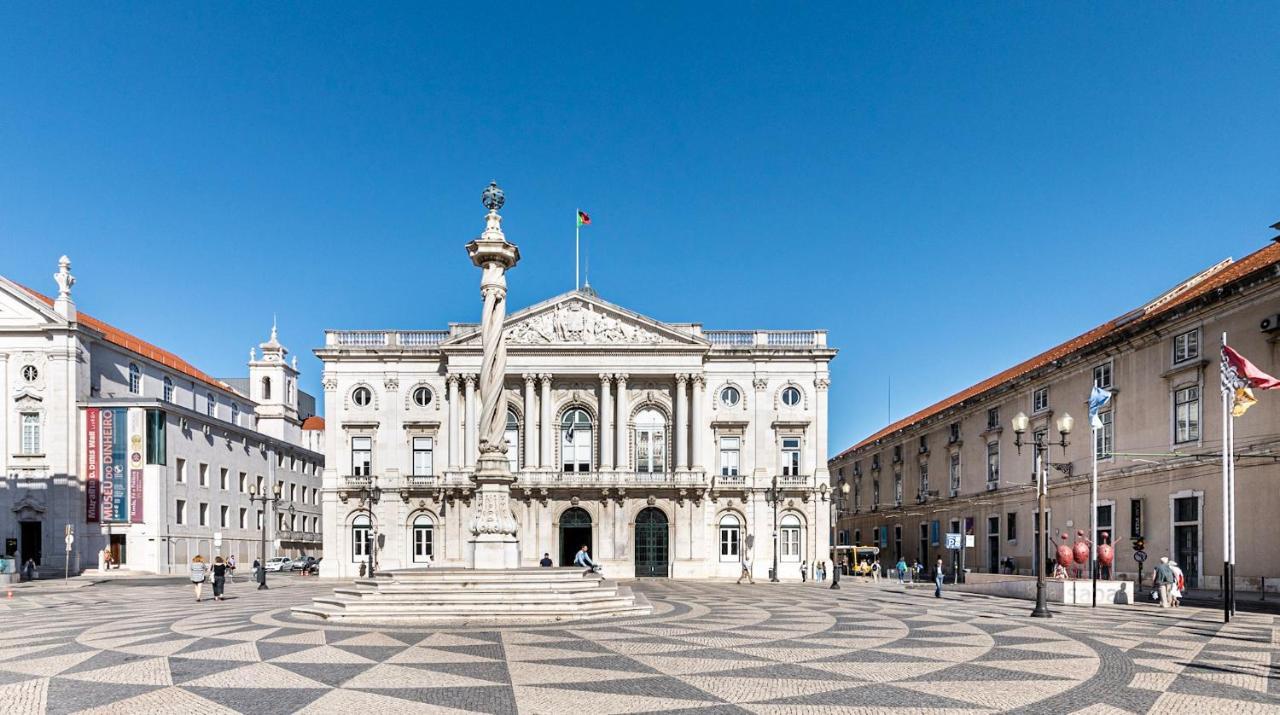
x,y
492,197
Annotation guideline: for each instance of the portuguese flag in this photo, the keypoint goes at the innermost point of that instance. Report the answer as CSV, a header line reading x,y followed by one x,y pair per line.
x,y
583,218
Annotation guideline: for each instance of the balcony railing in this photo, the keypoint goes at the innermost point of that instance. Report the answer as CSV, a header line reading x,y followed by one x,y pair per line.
x,y
356,482
766,338
299,536
385,338
793,480
542,479
731,338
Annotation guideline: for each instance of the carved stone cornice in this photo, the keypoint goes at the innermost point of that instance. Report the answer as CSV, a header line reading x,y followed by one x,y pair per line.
x,y
821,383
330,383
529,378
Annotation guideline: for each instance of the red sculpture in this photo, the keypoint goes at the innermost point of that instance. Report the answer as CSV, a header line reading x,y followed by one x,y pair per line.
x,y
1064,552
1081,552
1106,554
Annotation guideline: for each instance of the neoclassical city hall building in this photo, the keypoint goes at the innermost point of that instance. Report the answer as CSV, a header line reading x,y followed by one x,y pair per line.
x,y
666,449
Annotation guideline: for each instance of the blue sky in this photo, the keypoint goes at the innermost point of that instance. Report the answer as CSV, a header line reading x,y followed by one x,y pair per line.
x,y
947,188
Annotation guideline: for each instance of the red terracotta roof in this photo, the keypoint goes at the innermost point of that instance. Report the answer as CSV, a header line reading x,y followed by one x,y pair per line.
x,y
314,422
136,345
1189,290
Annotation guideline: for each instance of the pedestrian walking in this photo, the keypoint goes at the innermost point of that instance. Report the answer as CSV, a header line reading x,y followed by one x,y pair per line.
x,y
822,571
938,575
260,573
1179,584
29,572
1164,580
804,571
219,577
199,572
231,566
546,561
744,560
875,571
902,570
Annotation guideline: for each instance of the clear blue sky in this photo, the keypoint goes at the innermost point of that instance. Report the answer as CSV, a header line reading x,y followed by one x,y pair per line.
x,y
948,188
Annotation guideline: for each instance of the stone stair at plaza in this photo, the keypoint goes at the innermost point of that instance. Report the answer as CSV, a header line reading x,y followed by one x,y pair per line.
x,y
465,596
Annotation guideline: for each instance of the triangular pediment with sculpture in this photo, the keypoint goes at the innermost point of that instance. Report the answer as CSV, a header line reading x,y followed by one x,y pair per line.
x,y
580,319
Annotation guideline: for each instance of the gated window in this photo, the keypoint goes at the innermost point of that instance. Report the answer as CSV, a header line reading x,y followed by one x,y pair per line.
x,y
423,539
730,537
790,538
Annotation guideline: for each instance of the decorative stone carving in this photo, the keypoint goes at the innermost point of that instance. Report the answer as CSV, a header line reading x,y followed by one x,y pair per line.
x,y
760,383
391,382
329,383
822,383
577,322
492,514
63,277
651,500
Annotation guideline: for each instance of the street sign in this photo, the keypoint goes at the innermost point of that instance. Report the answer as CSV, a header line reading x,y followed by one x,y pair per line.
x,y
953,542
69,539
968,541
1139,556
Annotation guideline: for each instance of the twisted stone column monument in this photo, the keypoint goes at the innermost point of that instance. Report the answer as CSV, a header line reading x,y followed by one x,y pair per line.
x,y
493,543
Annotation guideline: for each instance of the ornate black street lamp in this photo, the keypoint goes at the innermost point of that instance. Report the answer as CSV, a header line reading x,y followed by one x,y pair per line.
x,y
773,494
1040,445
369,495
264,498
841,494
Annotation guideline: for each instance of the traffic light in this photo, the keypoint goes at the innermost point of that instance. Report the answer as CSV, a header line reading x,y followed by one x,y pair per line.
x,y
1140,544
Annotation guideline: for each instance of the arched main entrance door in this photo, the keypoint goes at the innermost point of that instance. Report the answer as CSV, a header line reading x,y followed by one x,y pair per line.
x,y
575,532
651,543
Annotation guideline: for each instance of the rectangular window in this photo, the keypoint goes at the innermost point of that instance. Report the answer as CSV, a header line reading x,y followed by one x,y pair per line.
x,y
1040,400
897,488
729,542
30,433
1102,375
1186,414
259,526
180,512
224,478
730,451
224,515
935,532
924,479
293,492
790,456
180,471
875,493
790,543
361,456
204,475
955,474
157,438
1105,519
204,515
304,494
244,518
924,444
423,449
897,453
1186,346
993,418
953,433
1104,437
993,463
244,483
1011,526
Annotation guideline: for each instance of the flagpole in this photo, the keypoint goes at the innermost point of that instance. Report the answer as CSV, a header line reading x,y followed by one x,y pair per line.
x,y
577,229
1231,508
1093,516
1226,478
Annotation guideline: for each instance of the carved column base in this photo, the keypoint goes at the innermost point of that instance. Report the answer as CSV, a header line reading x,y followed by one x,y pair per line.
x,y
493,543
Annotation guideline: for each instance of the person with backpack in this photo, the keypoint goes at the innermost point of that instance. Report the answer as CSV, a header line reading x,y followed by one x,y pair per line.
x,y
1164,581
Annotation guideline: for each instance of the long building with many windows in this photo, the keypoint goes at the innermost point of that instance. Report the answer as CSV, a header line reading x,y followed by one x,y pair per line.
x,y
953,467
656,445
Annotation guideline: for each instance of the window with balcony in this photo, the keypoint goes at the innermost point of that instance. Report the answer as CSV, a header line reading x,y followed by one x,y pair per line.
x,y
791,456
924,479
511,434
955,474
875,493
651,442
361,456
730,452
423,456
576,440
897,488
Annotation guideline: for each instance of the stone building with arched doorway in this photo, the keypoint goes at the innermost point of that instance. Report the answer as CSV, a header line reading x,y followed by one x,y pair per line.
x,y
656,445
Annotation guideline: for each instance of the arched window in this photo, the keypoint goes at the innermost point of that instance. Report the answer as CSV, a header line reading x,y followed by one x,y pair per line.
x,y
651,442
235,414
424,541
730,537
362,396
361,538
210,404
135,379
266,389
421,396
790,548
512,437
168,390
576,440
288,391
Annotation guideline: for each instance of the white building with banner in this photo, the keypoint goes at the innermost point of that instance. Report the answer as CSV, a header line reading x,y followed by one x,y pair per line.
x,y
136,453
656,445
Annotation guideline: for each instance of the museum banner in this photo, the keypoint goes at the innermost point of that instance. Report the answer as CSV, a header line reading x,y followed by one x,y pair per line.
x,y
93,464
113,444
137,448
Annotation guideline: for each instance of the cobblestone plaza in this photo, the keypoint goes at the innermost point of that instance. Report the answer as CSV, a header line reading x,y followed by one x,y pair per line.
x,y
710,647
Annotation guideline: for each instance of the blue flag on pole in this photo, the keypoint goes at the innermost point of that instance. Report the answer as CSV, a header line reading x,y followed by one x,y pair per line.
x,y
1097,400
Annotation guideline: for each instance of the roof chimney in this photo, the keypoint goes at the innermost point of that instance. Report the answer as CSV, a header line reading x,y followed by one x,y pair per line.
x,y
64,306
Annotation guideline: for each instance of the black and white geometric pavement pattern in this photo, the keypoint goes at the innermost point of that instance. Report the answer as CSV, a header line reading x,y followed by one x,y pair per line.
x,y
710,648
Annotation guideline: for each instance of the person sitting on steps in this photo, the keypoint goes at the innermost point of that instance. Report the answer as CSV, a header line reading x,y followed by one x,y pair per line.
x,y
583,559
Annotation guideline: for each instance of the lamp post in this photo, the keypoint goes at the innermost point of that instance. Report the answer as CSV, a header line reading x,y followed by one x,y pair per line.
x,y
254,496
1040,446
772,494
370,495
842,492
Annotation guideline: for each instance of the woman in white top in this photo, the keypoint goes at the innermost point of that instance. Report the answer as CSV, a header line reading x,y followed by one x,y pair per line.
x,y
199,571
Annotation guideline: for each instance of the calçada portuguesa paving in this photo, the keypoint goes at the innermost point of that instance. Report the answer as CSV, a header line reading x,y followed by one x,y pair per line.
x,y
710,647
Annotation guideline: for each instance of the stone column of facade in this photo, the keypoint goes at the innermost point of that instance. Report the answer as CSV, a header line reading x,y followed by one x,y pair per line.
x,y
820,473
530,422
622,457
682,422
606,417
4,414
547,429
760,433
334,533
697,433
453,419
469,458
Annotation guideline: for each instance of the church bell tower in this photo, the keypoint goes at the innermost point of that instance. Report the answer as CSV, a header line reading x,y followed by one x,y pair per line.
x,y
273,384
